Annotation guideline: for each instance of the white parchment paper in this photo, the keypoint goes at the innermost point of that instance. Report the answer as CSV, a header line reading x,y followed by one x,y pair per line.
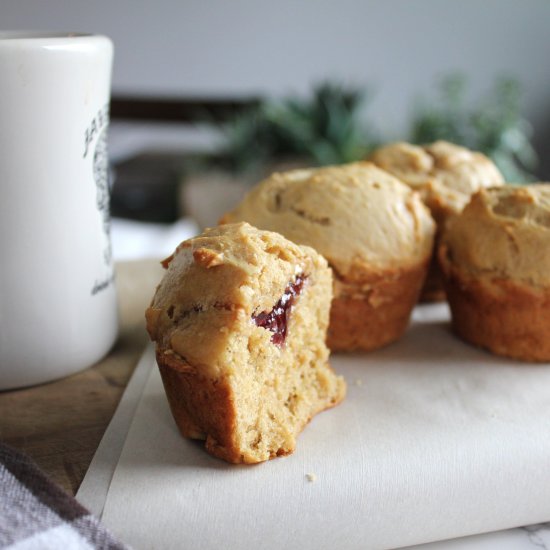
x,y
93,490
435,440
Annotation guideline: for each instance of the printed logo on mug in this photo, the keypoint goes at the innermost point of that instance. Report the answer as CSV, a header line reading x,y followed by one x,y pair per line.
x,y
58,309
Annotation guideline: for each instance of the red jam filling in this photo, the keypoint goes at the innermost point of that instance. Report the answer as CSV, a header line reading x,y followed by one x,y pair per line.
x,y
276,320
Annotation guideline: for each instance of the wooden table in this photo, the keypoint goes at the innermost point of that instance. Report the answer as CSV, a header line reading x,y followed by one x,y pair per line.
x,y
60,424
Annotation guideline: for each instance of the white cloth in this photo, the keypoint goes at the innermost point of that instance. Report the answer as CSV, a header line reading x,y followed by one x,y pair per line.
x,y
133,240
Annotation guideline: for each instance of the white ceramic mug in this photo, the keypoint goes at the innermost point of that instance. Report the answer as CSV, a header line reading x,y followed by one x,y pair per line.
x,y
58,311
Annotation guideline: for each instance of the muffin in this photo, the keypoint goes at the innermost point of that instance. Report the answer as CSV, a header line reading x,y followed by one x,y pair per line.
x,y
376,234
446,176
239,322
495,258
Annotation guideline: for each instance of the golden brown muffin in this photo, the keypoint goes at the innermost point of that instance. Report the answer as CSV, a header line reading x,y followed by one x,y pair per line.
x,y
239,322
446,176
374,231
495,258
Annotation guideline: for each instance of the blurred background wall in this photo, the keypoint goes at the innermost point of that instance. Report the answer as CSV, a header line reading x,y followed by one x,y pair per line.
x,y
397,48
247,47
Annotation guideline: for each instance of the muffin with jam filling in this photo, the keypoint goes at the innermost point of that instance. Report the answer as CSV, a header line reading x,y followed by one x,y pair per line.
x,y
240,322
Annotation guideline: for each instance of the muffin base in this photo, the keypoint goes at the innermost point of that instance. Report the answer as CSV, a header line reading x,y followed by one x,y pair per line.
x,y
207,409
502,316
376,312
202,409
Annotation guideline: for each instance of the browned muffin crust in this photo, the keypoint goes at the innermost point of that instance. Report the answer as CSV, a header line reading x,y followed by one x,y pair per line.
x,y
383,302
496,262
505,317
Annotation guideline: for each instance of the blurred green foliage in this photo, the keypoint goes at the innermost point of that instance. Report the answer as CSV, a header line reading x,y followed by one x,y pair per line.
x,y
323,128
494,126
327,127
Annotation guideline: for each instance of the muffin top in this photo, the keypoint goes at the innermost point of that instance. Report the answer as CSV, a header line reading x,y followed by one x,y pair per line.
x,y
504,233
360,218
446,175
217,282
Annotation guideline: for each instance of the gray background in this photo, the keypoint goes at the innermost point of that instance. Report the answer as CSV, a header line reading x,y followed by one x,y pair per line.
x,y
397,48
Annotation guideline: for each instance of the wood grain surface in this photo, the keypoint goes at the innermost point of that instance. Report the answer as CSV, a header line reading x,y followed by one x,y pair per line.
x,y
60,424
